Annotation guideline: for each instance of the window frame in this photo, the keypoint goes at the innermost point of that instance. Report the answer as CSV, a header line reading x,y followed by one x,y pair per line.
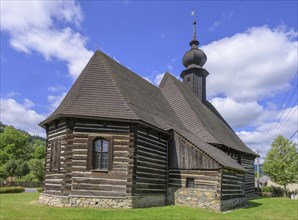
x,y
91,144
100,165
190,182
55,154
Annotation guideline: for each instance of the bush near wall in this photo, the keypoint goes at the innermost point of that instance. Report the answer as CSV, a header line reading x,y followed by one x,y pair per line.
x,y
270,191
17,189
21,183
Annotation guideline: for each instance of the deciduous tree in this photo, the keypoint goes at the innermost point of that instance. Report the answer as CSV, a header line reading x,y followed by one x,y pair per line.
x,y
281,162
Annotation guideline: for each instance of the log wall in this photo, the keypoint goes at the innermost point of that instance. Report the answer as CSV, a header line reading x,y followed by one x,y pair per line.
x,y
54,182
150,174
113,183
205,180
185,155
75,177
248,164
232,185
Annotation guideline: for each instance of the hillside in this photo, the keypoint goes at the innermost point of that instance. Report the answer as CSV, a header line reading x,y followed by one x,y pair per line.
x,y
21,154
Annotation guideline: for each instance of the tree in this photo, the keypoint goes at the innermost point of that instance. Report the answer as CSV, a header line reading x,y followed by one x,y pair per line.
x,y
17,168
14,144
39,152
281,162
37,168
10,168
22,168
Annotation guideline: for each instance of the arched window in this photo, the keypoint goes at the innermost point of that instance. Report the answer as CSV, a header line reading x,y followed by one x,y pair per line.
x,y
100,154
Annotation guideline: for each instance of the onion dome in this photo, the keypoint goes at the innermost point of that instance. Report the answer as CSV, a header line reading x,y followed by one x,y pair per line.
x,y
195,57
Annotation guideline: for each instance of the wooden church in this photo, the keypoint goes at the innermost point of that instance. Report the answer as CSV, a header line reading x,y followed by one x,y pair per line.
x,y
116,141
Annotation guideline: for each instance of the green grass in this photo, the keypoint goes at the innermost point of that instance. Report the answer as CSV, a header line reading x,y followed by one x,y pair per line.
x,y
25,206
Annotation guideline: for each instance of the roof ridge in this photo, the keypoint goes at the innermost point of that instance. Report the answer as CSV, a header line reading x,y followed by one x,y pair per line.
x,y
106,64
205,115
164,79
209,130
83,75
60,106
191,104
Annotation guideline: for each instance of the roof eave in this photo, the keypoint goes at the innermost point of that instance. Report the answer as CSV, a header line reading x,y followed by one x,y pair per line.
x,y
138,121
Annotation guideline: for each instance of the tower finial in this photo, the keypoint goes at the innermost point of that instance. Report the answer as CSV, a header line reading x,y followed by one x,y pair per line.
x,y
194,42
193,13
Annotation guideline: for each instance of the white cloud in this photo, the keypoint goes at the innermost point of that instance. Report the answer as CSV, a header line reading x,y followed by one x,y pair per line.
x,y
12,94
56,88
170,67
41,26
28,103
252,65
55,100
223,18
21,116
23,15
261,138
157,79
247,70
238,114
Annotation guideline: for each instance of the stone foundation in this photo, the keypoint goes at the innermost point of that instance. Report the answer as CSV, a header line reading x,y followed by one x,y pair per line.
x,y
182,197
197,198
232,203
126,202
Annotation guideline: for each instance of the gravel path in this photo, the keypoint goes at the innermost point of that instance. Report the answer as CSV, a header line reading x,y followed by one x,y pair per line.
x,y
30,189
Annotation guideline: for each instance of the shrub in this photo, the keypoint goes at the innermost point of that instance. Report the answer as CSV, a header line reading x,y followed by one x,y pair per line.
x,y
272,191
39,189
277,191
28,178
17,189
266,189
267,194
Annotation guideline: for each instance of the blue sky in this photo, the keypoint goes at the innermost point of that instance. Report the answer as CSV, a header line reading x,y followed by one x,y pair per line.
x,y
251,48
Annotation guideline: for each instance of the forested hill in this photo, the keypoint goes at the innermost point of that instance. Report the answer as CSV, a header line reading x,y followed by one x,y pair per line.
x,y
21,154
32,137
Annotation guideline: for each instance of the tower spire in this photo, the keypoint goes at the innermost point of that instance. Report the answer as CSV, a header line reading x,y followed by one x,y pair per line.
x,y
194,59
194,42
193,13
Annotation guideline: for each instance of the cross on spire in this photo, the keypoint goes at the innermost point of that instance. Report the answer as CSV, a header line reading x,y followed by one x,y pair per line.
x,y
193,13
194,42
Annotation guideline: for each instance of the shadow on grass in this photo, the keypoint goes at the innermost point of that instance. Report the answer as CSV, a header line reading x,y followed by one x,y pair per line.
x,y
252,204
256,197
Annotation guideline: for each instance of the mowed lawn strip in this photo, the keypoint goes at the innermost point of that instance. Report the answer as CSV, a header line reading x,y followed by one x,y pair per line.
x,y
25,206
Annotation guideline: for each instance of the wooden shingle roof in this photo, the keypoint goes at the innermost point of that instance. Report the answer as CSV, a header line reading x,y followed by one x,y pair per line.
x,y
199,118
107,89
94,94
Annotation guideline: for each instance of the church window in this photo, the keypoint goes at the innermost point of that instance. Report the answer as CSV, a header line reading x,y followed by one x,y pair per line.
x,y
190,182
55,154
100,154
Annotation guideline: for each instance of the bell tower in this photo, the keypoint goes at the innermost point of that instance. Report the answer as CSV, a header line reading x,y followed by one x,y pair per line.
x,y
194,75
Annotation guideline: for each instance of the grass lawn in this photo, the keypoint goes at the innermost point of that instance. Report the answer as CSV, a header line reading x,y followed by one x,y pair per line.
x,y
25,206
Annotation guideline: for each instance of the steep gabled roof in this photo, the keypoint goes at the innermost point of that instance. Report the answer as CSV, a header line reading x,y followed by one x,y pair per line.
x,y
107,89
197,117
94,94
143,98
